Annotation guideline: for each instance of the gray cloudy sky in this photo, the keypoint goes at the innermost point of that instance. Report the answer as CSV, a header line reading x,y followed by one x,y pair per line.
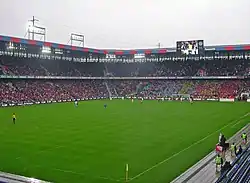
x,y
132,23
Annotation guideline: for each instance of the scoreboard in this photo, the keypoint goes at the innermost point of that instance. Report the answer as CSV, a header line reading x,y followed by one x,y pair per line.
x,y
195,47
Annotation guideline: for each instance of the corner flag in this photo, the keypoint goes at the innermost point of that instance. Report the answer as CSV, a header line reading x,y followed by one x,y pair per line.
x,y
126,175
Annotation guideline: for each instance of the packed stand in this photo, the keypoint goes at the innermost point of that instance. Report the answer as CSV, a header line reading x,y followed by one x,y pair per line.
x,y
123,88
20,91
196,88
227,68
39,67
15,92
182,68
218,89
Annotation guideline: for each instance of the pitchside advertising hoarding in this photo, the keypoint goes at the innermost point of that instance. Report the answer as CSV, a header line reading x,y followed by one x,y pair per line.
x,y
122,98
227,100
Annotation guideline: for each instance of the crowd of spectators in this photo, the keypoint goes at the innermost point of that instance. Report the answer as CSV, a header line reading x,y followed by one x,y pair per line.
x,y
36,91
215,89
195,88
182,68
20,91
38,67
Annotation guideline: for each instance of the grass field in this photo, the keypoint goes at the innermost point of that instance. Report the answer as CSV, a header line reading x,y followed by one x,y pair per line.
x,y
90,144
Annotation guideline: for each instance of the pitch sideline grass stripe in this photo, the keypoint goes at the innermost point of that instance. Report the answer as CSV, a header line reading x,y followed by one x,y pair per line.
x,y
82,174
176,154
45,150
240,119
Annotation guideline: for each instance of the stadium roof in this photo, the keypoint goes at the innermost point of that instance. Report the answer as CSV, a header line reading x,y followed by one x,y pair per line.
x,y
117,52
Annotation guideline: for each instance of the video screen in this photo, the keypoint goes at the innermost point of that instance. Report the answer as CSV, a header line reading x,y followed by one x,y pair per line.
x,y
190,47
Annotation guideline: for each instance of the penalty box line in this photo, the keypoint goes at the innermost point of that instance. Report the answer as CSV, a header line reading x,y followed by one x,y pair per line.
x,y
197,142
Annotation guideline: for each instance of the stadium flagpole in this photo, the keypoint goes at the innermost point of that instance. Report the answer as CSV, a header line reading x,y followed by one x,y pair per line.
x,y
126,173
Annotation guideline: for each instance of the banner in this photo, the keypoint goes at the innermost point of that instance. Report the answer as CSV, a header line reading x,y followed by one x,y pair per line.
x,y
226,99
212,99
50,102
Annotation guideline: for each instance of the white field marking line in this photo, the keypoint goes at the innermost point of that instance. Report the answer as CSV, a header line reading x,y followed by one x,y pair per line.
x,y
107,178
197,142
239,120
45,150
82,174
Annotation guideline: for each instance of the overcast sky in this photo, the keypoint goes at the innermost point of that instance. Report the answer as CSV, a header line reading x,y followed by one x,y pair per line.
x,y
131,23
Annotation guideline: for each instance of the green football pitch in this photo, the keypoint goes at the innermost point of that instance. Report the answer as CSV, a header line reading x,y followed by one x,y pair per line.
x,y
90,144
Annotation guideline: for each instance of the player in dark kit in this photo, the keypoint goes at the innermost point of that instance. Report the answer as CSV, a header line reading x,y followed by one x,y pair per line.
x,y
14,118
191,100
